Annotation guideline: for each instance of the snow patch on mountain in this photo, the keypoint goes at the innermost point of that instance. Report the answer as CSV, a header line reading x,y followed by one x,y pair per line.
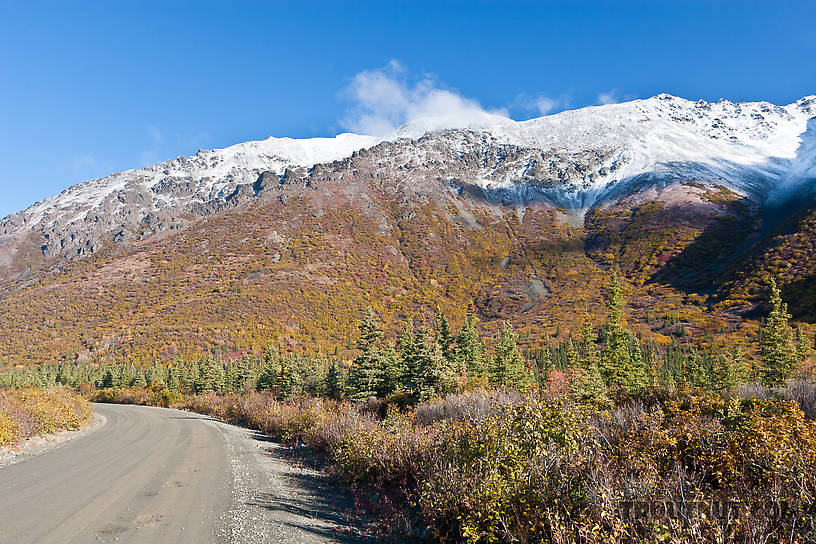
x,y
573,159
749,147
210,173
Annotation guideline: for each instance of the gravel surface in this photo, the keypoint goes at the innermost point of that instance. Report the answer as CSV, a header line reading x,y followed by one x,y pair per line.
x,y
278,500
154,475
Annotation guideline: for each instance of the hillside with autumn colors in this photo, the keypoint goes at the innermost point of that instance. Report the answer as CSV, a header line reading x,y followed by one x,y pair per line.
x,y
239,248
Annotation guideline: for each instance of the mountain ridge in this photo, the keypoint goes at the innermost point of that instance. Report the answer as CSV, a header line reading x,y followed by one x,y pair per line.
x,y
275,154
258,247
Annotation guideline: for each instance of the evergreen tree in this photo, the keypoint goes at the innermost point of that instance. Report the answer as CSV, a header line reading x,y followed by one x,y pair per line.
x,y
587,385
365,373
544,360
172,379
184,377
469,352
230,378
139,380
695,370
434,374
777,348
370,332
391,371
507,368
269,371
61,377
125,377
244,375
622,365
803,349
108,381
444,336
153,376
334,381
573,357
727,371
407,354
290,379
208,375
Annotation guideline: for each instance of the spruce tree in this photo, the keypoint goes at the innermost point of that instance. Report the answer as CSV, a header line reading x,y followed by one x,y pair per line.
x,y
228,383
364,376
727,371
208,375
153,376
108,381
139,380
469,352
444,336
125,376
269,371
622,365
434,373
334,382
389,378
777,348
173,380
244,375
507,367
407,353
290,379
192,375
587,385
573,357
803,349
184,377
696,373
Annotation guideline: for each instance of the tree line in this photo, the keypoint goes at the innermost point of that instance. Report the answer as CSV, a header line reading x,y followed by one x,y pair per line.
x,y
601,365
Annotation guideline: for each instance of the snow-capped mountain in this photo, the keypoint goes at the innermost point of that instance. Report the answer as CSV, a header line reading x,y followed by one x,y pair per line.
x,y
574,160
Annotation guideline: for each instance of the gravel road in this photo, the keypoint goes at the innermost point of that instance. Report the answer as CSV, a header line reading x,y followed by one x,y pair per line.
x,y
154,475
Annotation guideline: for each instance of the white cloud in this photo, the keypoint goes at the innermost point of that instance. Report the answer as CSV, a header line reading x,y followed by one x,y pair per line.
x,y
540,104
613,96
545,105
609,97
388,97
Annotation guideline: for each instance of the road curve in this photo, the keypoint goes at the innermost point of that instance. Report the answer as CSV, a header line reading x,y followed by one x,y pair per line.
x,y
148,475
154,475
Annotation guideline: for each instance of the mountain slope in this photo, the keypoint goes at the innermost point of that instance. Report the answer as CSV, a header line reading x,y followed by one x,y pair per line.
x,y
287,239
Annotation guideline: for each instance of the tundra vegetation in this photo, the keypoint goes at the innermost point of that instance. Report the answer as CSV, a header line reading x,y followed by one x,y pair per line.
x,y
29,411
597,436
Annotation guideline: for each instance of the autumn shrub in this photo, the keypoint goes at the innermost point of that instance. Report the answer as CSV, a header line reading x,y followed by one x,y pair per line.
x,y
799,389
802,390
121,395
29,412
468,406
393,453
340,429
9,429
165,398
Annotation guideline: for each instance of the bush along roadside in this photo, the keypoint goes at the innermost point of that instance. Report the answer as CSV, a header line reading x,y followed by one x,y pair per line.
x,y
29,412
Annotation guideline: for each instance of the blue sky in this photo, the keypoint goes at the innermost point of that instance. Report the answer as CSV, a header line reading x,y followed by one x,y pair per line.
x,y
86,90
